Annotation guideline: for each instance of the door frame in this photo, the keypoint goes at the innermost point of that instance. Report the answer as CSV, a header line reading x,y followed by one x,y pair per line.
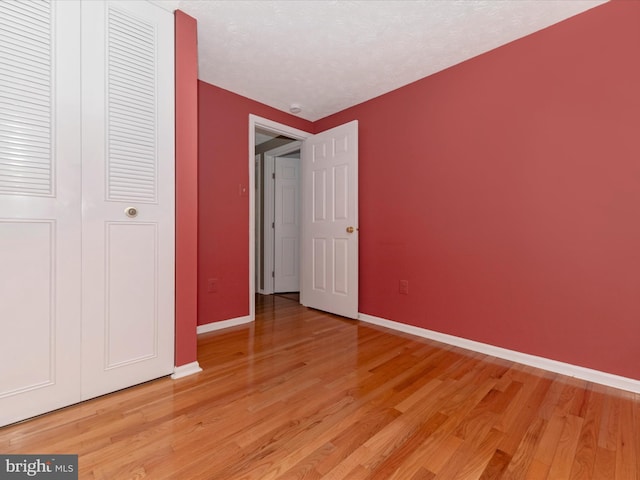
x,y
268,259
280,129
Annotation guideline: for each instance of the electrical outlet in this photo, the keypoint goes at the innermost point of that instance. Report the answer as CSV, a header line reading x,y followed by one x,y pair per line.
x,y
212,285
403,287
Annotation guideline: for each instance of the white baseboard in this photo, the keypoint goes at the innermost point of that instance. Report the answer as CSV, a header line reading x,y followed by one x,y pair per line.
x,y
232,322
568,369
186,370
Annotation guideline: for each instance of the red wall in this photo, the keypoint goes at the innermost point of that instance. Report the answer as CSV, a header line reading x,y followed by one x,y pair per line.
x,y
506,190
223,235
186,187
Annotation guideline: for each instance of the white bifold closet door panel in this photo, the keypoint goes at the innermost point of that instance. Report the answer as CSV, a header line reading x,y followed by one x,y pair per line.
x,y
86,135
39,207
127,195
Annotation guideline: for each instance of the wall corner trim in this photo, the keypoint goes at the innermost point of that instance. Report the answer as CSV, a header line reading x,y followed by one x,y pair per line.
x,y
232,322
595,376
186,370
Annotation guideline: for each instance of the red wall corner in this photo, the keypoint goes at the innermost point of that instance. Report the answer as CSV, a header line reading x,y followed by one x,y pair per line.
x,y
186,90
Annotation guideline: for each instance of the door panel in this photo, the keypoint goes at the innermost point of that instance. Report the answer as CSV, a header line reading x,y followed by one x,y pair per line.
x,y
341,198
319,193
131,293
27,250
319,265
340,271
39,214
127,259
330,221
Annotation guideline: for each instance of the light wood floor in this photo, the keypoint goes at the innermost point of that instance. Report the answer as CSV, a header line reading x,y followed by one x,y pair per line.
x,y
305,395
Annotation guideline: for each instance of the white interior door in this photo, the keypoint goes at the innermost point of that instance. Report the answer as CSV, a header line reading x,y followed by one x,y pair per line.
x,y
39,228
287,224
128,195
330,221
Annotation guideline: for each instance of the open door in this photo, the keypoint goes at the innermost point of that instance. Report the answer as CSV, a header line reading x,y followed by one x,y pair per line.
x,y
329,247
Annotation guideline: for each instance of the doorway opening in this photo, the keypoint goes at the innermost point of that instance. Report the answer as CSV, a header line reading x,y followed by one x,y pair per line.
x,y
277,207
261,131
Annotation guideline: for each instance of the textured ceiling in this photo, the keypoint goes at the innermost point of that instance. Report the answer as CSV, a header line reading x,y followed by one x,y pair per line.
x,y
329,55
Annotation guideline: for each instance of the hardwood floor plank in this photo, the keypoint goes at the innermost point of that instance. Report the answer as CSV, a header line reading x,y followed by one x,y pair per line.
x,y
350,437
566,450
375,450
385,469
423,474
345,443
517,421
626,441
584,458
571,399
496,466
549,441
605,464
549,405
524,454
608,424
301,394
538,471
636,429
472,457
434,454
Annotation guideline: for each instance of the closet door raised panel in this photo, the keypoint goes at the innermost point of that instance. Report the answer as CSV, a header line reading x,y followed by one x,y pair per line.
x,y
128,195
39,207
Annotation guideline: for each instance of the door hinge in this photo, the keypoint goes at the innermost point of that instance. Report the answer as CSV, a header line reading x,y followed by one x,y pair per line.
x,y
273,274
273,225
273,175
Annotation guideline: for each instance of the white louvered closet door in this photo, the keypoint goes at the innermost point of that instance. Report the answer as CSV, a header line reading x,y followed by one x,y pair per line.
x,y
128,195
86,134
39,207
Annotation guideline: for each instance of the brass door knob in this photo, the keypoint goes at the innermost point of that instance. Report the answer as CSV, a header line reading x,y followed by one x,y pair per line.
x,y
131,212
350,229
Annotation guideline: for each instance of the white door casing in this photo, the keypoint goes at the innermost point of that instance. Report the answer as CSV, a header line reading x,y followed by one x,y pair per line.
x,y
280,129
258,219
39,228
128,163
268,239
329,248
287,225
